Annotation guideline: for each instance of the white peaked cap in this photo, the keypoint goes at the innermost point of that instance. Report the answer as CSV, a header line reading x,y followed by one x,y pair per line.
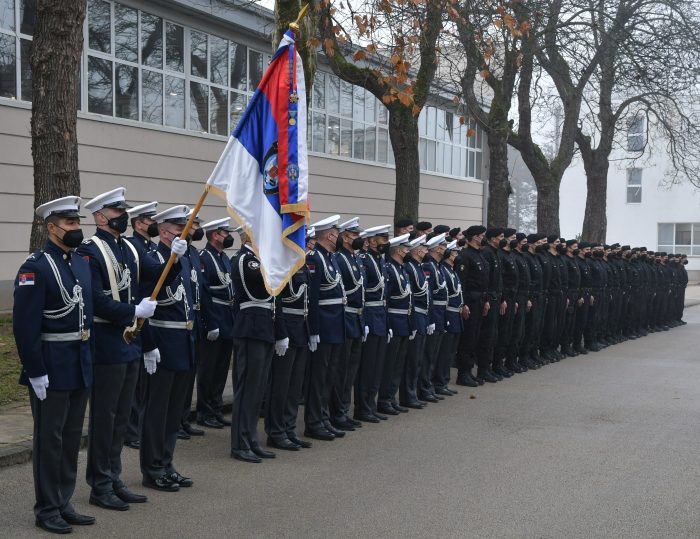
x,y
65,206
110,199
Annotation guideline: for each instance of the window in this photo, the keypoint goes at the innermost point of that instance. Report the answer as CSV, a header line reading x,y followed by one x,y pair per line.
x,y
683,238
634,186
636,134
16,48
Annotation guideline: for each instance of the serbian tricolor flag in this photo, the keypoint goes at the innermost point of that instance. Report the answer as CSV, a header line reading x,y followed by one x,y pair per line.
x,y
263,173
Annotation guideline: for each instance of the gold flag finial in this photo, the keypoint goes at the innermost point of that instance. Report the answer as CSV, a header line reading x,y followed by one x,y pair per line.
x,y
294,26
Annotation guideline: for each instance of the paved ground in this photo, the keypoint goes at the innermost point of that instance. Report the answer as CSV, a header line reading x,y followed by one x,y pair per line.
x,y
604,445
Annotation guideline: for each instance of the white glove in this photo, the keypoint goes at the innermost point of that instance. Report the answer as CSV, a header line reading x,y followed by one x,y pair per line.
x,y
213,334
40,384
364,337
151,360
146,308
391,334
413,335
430,329
179,247
313,342
281,346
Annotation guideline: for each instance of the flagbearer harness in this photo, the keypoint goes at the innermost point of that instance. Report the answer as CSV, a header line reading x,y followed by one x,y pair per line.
x,y
119,275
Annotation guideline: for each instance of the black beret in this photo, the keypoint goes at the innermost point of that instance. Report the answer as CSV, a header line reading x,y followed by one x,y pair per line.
x,y
520,236
402,223
494,231
625,248
562,240
424,225
552,238
569,243
615,246
607,247
583,244
454,232
661,254
642,248
439,229
533,238
508,232
634,249
475,230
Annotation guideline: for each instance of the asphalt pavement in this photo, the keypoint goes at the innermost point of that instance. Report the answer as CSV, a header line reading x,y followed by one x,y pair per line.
x,y
603,445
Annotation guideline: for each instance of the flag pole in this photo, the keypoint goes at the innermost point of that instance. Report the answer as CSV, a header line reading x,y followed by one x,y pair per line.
x,y
295,25
130,333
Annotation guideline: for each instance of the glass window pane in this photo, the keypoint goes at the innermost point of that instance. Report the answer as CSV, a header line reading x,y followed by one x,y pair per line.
x,y
696,250
126,92
382,113
696,234
382,145
634,195
479,136
199,106
456,167
449,125
198,54
238,105
440,130
256,69
634,176
99,86
370,142
218,57
174,47
422,153
665,248
27,16
319,129
431,122
99,26
422,122
478,166
390,156
346,138
447,160
681,250
333,141
333,104
370,106
471,171
152,105
463,162
666,233
683,233
439,159
8,66
345,98
25,51
358,104
431,155
126,33
175,102
151,40
7,14
308,130
359,140
239,66
319,90
218,111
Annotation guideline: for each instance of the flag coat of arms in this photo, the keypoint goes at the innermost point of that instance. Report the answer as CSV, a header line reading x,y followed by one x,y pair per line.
x,y
263,172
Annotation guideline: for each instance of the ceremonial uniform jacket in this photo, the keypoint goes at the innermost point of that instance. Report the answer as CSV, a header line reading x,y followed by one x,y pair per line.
x,y
255,313
201,299
294,301
326,297
353,283
420,294
142,246
398,291
438,293
473,271
453,311
171,329
218,286
375,297
52,318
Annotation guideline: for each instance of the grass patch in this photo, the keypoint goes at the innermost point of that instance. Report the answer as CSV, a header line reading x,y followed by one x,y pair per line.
x,y
10,366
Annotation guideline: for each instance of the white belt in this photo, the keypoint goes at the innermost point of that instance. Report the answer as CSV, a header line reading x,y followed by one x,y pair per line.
x,y
454,309
420,310
99,320
353,310
375,303
66,337
290,310
218,287
399,311
439,303
332,301
171,324
222,301
261,304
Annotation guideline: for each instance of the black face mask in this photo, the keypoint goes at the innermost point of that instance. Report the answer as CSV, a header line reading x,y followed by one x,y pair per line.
x,y
119,224
198,234
152,230
338,243
587,255
383,248
598,254
685,262
561,249
227,243
484,242
541,248
502,243
72,238
513,244
576,252
357,244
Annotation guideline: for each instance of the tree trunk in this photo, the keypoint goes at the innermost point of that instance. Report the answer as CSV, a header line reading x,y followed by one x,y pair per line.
x,y
595,221
55,60
499,184
403,131
548,204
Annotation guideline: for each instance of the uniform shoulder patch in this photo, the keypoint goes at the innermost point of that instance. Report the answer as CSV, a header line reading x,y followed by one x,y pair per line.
x,y
25,279
253,264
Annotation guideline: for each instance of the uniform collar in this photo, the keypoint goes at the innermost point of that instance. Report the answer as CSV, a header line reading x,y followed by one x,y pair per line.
x,y
209,247
106,236
55,250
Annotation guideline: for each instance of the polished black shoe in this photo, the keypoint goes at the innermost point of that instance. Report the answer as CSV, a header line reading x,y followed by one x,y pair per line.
x,y
258,450
125,495
356,424
54,524
486,376
443,391
320,434
221,419
163,483
386,409
180,479
108,500
438,397
429,398
581,350
495,375
342,425
367,418
500,371
76,519
301,443
414,405
284,444
132,444
466,381
380,416
192,431
210,422
182,435
401,409
453,391
245,455
335,432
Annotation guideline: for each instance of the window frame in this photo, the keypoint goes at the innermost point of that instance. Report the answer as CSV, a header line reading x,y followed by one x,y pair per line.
x,y
690,249
630,186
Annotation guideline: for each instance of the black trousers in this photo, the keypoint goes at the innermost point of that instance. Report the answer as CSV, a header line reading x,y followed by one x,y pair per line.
x,y
567,334
133,427
335,378
285,383
110,406
590,332
445,358
165,396
505,331
408,390
581,320
518,330
369,376
488,337
58,427
212,375
394,365
187,405
468,342
550,328
427,365
341,401
253,359
533,325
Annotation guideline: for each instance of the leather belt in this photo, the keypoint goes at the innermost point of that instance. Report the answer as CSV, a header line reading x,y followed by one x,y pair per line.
x,y
171,324
332,301
441,303
380,303
291,310
222,301
399,311
454,309
261,304
99,320
353,310
420,310
66,337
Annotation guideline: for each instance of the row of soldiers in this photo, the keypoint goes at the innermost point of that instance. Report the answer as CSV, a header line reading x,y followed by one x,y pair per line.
x,y
368,327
